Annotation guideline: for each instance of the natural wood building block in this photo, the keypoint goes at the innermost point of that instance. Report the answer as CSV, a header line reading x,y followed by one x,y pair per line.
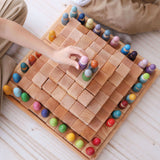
x,y
101,78
86,116
116,97
116,79
102,115
95,47
33,90
108,68
60,112
130,80
73,23
59,40
43,58
49,86
66,31
108,88
46,69
51,104
84,42
92,35
73,72
77,108
123,88
58,93
56,74
75,35
109,49
37,65
68,42
67,101
94,106
135,71
85,98
66,82
123,70
88,133
127,62
94,87
105,55
115,60
39,79
24,83
28,103
30,74
101,60
101,97
100,42
75,90
95,124
58,28
52,63
78,126
109,106
69,118
90,53
82,29
63,67
42,97
119,55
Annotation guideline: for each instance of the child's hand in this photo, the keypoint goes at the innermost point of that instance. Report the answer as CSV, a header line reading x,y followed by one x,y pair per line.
x,y
63,56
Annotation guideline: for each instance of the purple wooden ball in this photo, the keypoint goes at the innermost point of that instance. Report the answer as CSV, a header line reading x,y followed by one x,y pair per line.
x,y
98,27
150,68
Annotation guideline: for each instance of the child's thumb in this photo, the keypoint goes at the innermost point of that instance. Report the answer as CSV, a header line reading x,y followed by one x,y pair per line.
x,y
73,63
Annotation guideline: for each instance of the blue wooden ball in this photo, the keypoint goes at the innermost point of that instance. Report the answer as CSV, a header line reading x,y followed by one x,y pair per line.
x,y
88,73
24,67
116,114
17,92
16,77
45,112
137,87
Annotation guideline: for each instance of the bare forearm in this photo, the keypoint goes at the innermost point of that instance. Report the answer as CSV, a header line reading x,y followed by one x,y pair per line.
x,y
16,33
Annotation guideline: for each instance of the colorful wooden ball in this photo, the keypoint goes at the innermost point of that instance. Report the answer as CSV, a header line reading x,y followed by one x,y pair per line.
x,y
144,77
89,24
52,35
125,49
45,112
25,97
96,141
110,122
81,18
79,143
94,64
143,63
137,87
150,69
16,77
31,59
90,151
70,137
116,114
17,92
37,106
53,122
132,56
7,90
38,54
130,98
73,12
87,74
123,104
24,67
62,128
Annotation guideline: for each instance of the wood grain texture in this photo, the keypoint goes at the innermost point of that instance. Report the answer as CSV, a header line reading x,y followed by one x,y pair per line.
x,y
138,138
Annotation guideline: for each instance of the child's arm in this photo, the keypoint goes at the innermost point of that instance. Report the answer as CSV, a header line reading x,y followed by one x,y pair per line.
x,y
16,33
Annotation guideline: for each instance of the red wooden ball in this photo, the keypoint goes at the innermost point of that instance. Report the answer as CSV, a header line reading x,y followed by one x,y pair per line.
x,y
31,59
123,104
38,54
96,141
94,64
90,151
110,122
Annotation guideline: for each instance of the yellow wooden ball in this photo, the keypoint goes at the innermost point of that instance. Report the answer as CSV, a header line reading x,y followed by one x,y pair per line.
x,y
7,90
132,97
70,137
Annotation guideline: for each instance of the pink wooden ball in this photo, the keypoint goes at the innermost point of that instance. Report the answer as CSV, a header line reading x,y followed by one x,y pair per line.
x,y
84,60
36,106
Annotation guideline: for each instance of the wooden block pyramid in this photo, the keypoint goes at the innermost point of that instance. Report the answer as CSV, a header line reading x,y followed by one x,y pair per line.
x,y
83,106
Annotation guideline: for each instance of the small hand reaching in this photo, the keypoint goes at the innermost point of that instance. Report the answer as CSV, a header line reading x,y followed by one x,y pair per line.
x,y
63,56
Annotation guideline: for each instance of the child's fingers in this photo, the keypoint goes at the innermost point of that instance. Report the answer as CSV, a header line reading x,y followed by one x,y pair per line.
x,y
77,51
73,63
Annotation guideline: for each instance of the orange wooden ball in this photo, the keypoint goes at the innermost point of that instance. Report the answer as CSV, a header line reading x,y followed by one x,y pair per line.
x,y
94,64
31,59
38,54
